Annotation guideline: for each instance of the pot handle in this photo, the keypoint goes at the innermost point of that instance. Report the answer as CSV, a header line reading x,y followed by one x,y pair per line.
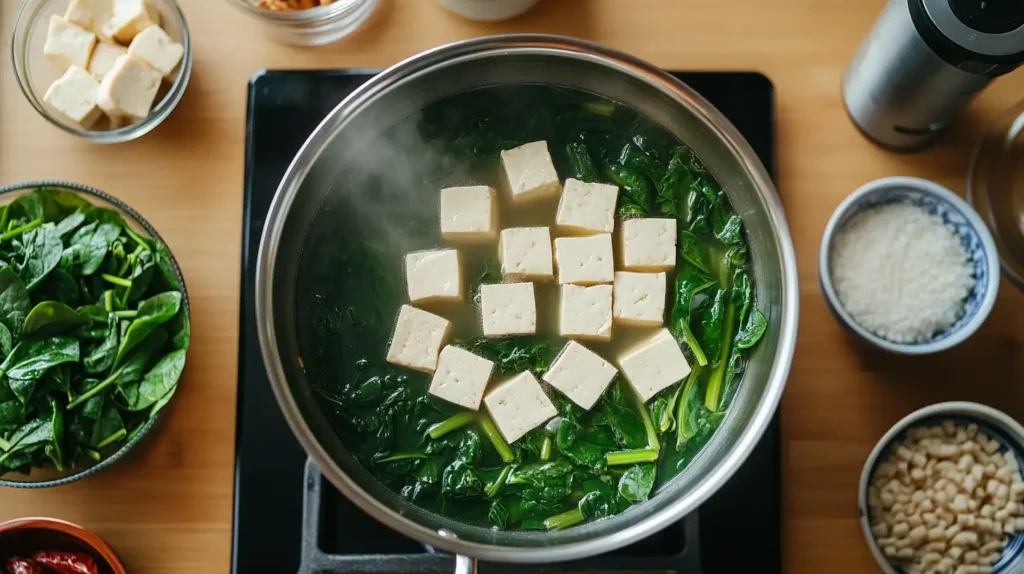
x,y
465,565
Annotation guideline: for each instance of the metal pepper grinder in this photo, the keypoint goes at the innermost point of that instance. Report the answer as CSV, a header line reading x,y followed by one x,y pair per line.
x,y
924,60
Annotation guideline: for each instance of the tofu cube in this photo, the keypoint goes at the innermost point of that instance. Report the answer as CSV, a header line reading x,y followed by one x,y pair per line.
x,y
90,15
580,374
639,298
103,58
68,44
157,49
469,214
585,260
418,338
649,244
519,405
433,275
508,309
525,253
129,18
461,377
586,312
128,90
655,364
74,96
587,208
531,173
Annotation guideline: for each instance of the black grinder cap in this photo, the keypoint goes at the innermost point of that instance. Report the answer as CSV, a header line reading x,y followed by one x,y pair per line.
x,y
984,37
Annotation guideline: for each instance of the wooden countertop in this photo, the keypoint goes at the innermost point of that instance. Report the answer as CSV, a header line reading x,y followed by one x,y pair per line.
x,y
168,508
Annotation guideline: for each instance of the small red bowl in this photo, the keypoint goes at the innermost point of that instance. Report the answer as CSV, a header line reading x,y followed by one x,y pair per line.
x,y
26,536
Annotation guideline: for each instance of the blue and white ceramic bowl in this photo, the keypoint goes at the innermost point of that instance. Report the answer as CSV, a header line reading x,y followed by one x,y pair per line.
x,y
996,424
971,231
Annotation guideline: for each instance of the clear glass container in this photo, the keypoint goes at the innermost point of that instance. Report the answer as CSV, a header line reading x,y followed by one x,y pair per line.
x,y
995,188
35,73
313,26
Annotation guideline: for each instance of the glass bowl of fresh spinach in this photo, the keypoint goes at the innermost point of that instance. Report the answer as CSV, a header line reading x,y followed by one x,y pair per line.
x,y
94,328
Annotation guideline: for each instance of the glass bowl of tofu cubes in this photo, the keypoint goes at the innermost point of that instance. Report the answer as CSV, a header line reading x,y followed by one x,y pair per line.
x,y
108,71
942,491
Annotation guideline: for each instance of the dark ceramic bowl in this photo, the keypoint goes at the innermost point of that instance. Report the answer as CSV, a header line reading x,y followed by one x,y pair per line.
x,y
49,476
26,536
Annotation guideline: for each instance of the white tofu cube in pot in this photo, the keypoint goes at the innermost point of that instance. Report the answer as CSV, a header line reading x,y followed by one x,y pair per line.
x,y
418,338
433,275
525,252
585,260
68,44
649,244
103,58
469,214
654,364
157,49
91,15
508,309
639,298
580,374
128,90
518,406
74,96
587,208
129,18
461,377
586,312
531,173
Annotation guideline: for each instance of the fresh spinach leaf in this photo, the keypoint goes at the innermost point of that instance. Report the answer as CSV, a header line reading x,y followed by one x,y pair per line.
x,y
89,245
14,301
152,313
43,250
51,318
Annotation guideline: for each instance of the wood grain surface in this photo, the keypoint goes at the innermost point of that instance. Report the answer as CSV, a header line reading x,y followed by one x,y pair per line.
x,y
167,509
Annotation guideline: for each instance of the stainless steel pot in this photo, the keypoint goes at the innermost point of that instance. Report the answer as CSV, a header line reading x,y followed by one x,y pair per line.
x,y
408,87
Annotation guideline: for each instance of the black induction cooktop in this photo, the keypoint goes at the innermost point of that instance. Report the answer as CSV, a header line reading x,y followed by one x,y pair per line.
x,y
286,517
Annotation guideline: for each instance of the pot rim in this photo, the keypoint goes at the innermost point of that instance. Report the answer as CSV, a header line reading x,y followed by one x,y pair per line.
x,y
657,79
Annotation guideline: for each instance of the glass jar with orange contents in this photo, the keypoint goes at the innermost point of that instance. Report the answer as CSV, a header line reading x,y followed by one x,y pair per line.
x,y
308,22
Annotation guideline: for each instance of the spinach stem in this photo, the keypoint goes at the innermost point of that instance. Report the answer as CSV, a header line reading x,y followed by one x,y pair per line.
x,y
564,520
4,445
493,488
401,456
137,429
108,301
631,456
454,422
126,314
120,434
19,230
126,283
92,454
95,390
136,237
505,451
684,431
545,449
652,435
713,398
4,218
